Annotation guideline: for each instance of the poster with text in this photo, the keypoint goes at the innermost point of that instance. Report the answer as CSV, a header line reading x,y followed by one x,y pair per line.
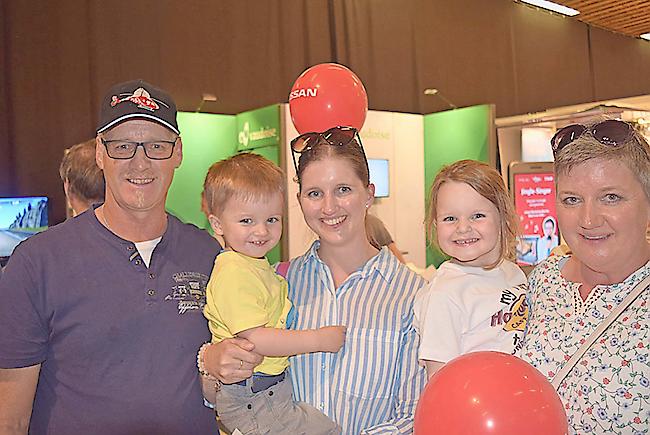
x,y
535,205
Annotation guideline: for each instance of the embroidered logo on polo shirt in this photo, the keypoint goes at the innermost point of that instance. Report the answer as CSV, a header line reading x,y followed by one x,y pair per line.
x,y
140,97
188,291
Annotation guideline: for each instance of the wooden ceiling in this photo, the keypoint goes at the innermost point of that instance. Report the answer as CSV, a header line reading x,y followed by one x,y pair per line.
x,y
629,17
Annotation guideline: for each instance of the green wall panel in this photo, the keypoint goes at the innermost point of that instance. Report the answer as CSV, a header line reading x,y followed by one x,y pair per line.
x,y
258,128
207,138
451,136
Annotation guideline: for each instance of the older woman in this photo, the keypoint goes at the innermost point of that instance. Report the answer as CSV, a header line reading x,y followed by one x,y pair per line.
x,y
603,201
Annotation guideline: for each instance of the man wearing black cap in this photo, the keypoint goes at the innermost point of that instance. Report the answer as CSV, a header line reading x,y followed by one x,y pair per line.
x,y
101,316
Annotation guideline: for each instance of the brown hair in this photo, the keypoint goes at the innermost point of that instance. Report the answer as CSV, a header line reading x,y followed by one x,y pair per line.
x,y
634,153
79,169
488,183
351,152
245,176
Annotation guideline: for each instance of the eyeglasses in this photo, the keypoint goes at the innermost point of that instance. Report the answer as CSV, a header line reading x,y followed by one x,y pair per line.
x,y
611,132
154,150
336,136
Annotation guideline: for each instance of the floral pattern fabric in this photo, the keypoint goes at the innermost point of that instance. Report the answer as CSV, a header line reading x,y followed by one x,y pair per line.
x,y
608,390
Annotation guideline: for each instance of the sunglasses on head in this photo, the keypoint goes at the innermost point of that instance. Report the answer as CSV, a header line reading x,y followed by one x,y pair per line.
x,y
336,136
611,132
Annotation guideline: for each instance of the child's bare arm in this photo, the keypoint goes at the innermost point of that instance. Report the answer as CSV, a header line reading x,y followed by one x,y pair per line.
x,y
287,342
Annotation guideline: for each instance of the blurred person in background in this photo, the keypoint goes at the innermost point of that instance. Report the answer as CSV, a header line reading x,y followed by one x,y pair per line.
x,y
83,181
379,236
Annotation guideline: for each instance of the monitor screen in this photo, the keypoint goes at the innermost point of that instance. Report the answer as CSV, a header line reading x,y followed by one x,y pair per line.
x,y
534,195
379,176
20,217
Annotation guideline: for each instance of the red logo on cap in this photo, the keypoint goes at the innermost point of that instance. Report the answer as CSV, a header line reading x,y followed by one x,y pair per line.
x,y
140,98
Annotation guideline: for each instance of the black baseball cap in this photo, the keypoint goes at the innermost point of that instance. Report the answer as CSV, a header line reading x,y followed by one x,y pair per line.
x,y
137,99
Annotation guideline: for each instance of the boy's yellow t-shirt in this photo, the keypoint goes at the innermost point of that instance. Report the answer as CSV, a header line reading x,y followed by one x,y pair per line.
x,y
244,293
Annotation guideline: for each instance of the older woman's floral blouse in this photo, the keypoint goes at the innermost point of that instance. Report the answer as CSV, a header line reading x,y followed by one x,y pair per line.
x,y
608,391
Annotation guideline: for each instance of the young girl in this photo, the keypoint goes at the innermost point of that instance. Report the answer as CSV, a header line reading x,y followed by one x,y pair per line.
x,y
476,300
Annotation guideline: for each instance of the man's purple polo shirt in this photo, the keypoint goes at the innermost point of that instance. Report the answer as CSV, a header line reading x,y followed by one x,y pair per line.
x,y
117,340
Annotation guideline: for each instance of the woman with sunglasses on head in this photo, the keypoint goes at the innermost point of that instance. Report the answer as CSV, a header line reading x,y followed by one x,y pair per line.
x,y
372,385
588,328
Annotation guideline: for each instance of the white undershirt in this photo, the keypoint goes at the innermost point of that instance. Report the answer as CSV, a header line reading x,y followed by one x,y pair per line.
x,y
146,249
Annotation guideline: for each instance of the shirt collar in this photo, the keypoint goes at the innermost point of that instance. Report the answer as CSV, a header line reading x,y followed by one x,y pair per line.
x,y
310,256
383,263
172,227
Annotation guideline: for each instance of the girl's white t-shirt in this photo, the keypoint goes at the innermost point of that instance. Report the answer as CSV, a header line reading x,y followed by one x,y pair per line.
x,y
466,309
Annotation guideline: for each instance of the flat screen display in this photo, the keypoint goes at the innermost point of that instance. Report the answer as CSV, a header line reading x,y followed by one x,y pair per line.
x,y
20,218
379,176
534,195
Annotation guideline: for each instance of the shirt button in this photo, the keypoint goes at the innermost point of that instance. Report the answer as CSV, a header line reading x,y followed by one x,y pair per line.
x,y
130,248
151,292
137,262
321,406
152,276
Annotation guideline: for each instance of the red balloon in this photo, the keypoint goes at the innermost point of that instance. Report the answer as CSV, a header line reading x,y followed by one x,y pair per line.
x,y
325,96
489,393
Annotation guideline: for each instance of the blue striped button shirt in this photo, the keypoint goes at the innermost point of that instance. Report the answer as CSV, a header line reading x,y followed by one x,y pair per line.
x,y
373,383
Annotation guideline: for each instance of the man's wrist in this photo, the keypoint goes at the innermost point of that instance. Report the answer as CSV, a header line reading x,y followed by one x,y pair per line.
x,y
200,362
